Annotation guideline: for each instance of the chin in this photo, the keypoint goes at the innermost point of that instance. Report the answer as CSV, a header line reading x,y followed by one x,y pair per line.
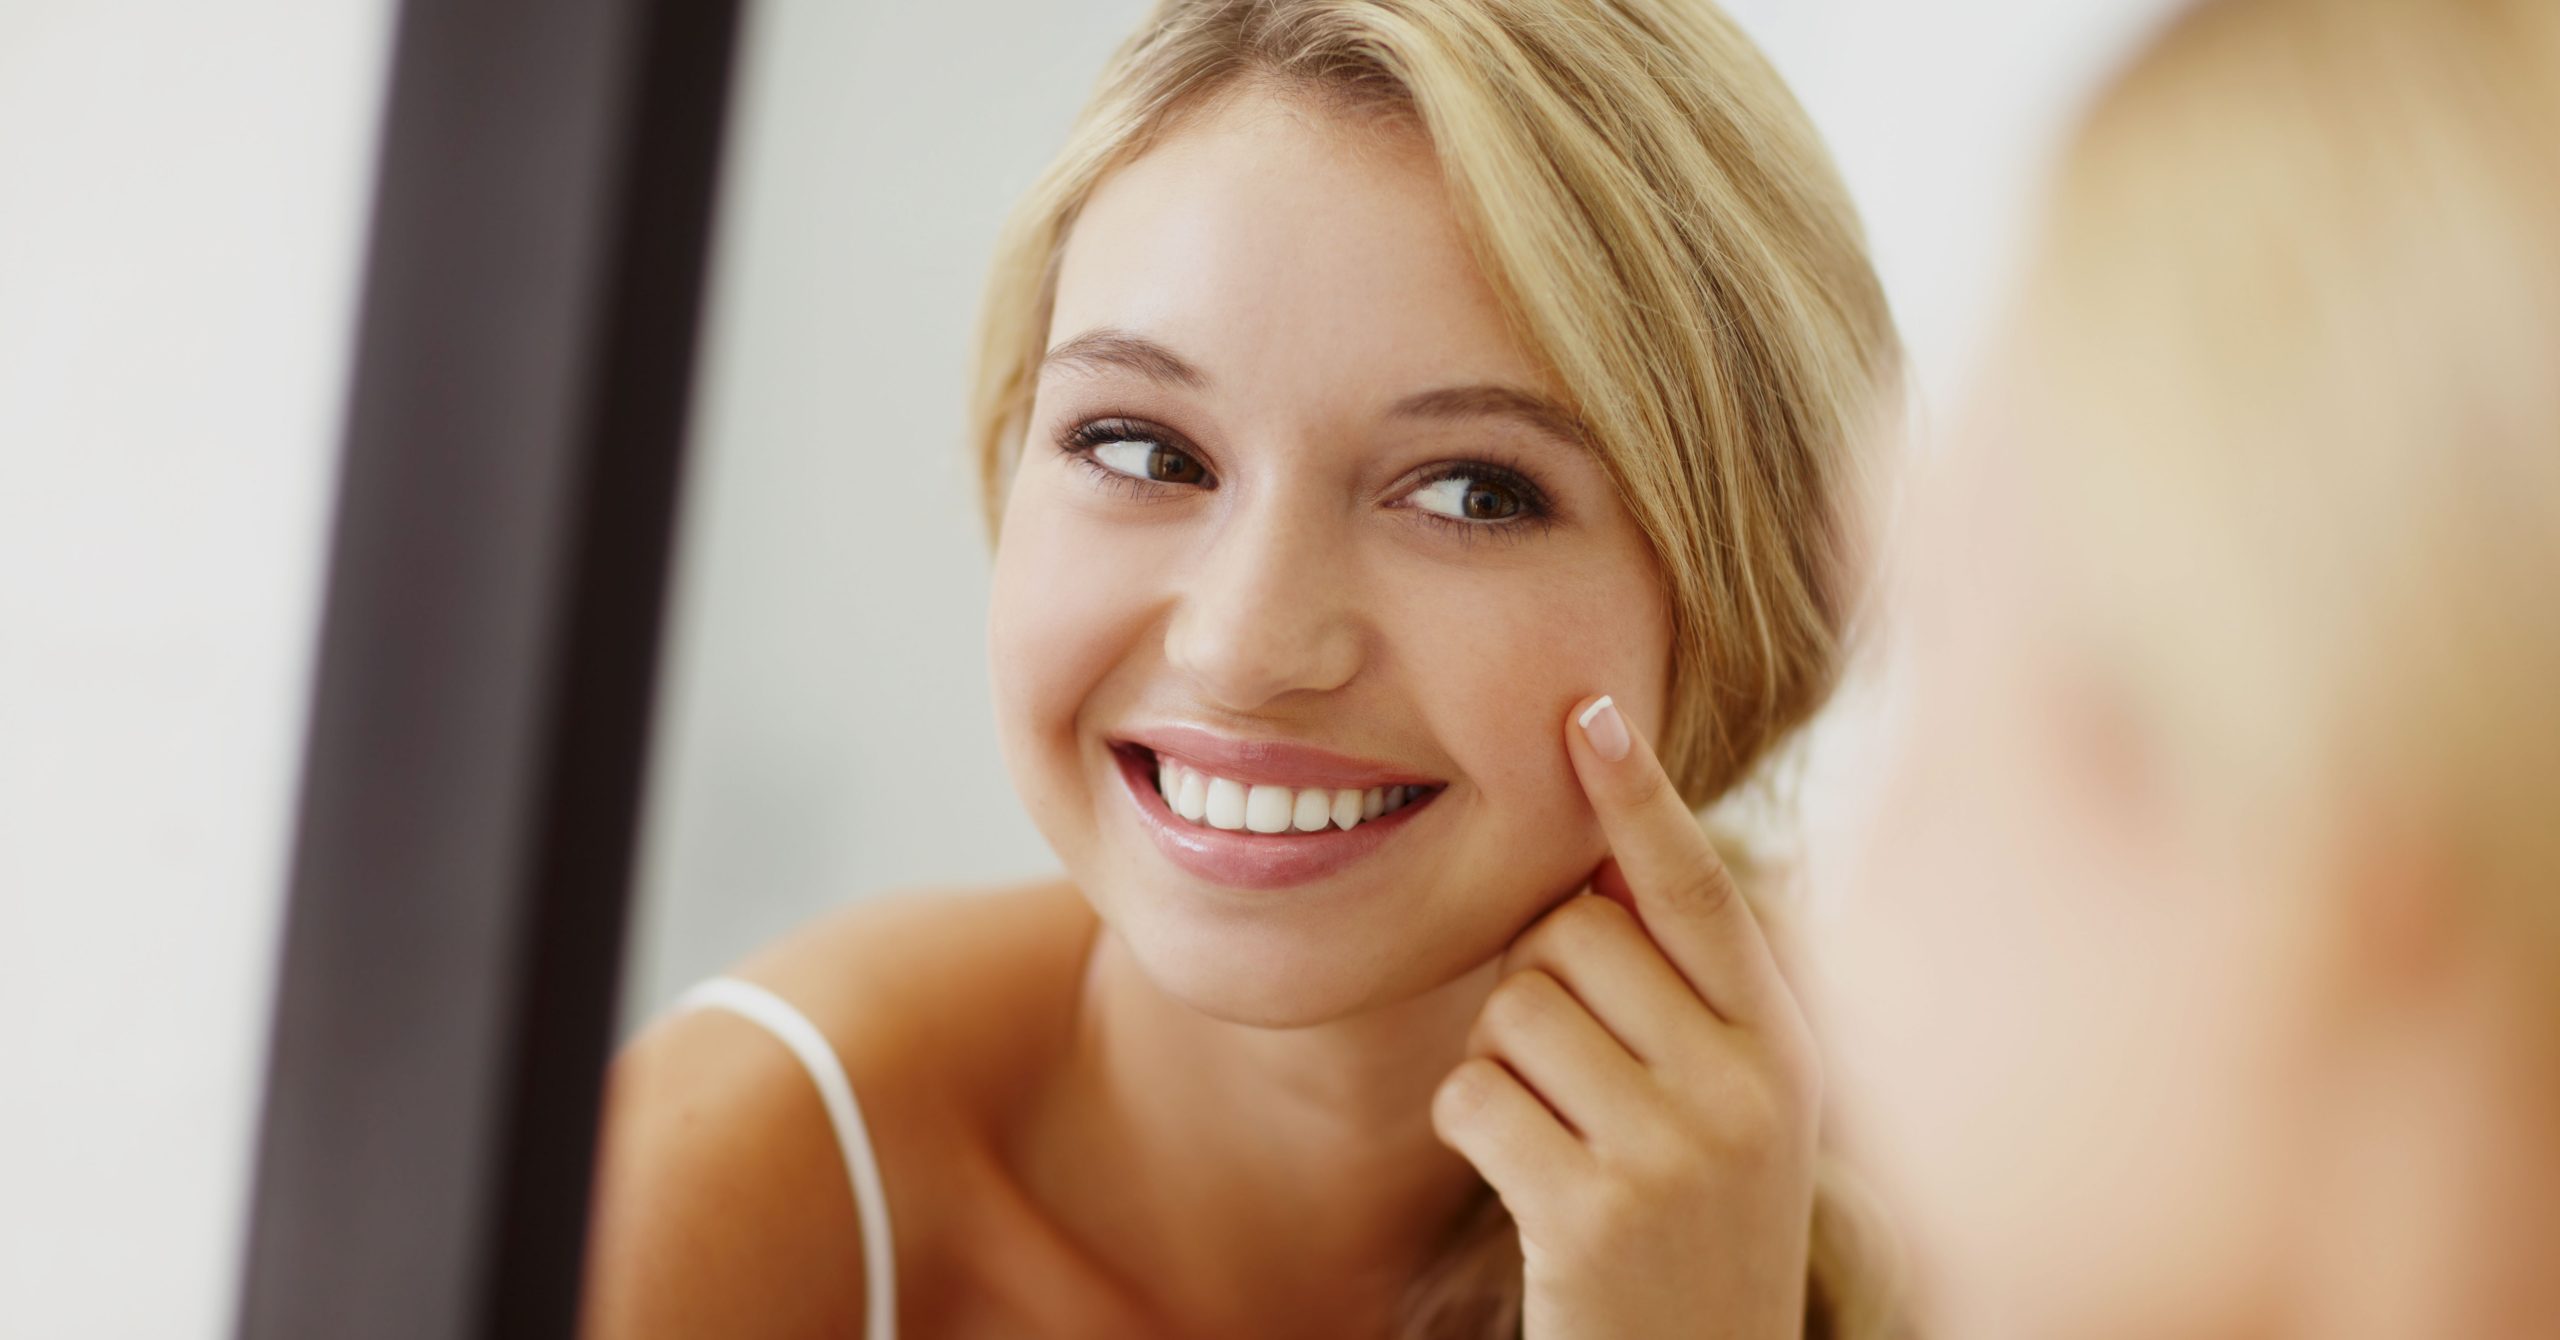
x,y
1277,972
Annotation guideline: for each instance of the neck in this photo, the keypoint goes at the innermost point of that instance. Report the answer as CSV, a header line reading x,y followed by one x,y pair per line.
x,y
1260,1179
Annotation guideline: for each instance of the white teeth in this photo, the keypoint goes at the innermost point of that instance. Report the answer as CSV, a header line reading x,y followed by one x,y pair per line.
x,y
1226,803
1193,800
1221,802
1267,809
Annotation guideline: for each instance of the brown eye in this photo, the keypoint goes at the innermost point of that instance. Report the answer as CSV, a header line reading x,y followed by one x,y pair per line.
x,y
1464,499
1154,461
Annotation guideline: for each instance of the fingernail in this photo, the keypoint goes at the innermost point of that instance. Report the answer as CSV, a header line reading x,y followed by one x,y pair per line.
x,y
1606,730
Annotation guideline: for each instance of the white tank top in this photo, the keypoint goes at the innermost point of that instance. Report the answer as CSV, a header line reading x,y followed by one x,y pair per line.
x,y
853,1139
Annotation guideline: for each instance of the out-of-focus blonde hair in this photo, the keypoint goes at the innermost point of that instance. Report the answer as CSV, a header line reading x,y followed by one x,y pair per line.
x,y
2290,358
1667,233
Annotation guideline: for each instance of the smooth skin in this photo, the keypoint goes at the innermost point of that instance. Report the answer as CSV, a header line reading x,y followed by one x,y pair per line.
x,y
1128,1104
1641,1087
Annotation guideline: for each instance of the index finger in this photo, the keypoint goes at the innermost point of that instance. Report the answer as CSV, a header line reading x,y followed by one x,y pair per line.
x,y
1680,888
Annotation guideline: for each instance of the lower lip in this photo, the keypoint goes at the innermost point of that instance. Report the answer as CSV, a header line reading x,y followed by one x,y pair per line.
x,y
1249,860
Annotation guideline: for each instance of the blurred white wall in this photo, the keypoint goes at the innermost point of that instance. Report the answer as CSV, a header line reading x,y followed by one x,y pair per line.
x,y
826,730
183,189
182,197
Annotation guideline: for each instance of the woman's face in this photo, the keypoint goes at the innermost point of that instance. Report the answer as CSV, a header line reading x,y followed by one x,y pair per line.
x,y
1286,482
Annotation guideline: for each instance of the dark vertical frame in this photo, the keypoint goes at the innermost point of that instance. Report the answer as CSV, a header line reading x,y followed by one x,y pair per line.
x,y
486,665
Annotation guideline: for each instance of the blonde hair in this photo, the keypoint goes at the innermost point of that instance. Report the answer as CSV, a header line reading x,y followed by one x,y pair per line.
x,y
1663,228
2291,358
1665,231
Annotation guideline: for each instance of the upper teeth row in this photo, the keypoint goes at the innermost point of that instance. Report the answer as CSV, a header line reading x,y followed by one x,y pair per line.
x,y
1222,803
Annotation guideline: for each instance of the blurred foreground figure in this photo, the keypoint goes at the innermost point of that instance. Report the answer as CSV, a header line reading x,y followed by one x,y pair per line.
x,y
2205,974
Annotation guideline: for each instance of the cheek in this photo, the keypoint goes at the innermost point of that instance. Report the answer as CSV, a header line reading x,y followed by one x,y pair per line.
x,y
1496,664
1054,634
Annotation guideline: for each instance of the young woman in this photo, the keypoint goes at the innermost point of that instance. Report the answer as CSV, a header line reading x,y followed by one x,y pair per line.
x,y
1418,435
2211,987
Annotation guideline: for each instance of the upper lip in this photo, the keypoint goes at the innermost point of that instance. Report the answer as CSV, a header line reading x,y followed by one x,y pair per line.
x,y
1270,762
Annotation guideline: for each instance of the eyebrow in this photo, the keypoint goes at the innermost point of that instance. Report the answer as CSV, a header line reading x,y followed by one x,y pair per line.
x,y
1491,401
1107,347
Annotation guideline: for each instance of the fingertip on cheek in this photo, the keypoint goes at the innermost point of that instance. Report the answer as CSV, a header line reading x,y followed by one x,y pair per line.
x,y
1605,729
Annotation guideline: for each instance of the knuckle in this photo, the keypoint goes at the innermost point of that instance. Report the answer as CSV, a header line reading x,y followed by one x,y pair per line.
x,y
1658,1149
1703,890
1761,1119
1650,788
1585,924
1463,1093
1521,1001
1571,930
1607,1215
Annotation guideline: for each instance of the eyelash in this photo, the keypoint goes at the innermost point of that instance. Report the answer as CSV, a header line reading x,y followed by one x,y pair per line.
x,y
1537,514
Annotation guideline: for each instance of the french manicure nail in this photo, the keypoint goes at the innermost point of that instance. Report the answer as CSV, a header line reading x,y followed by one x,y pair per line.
x,y
1606,730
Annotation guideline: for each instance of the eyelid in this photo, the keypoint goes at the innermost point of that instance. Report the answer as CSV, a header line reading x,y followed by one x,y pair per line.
x,y
1538,516
1081,438
1534,497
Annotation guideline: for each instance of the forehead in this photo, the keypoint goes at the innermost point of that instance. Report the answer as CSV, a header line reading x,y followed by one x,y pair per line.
x,y
1288,252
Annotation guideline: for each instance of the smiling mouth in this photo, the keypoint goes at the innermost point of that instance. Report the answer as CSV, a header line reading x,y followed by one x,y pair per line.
x,y
1205,800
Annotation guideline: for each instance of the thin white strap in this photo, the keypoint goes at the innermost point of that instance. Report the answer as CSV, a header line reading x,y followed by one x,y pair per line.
x,y
879,1273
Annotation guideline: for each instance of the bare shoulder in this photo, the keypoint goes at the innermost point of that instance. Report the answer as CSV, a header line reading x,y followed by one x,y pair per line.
x,y
722,1204
964,954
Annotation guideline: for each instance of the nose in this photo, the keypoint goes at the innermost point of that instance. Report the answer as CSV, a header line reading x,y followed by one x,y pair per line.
x,y
1270,607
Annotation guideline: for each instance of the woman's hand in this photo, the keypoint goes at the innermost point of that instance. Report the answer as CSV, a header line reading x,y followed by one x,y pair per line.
x,y
1641,1088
